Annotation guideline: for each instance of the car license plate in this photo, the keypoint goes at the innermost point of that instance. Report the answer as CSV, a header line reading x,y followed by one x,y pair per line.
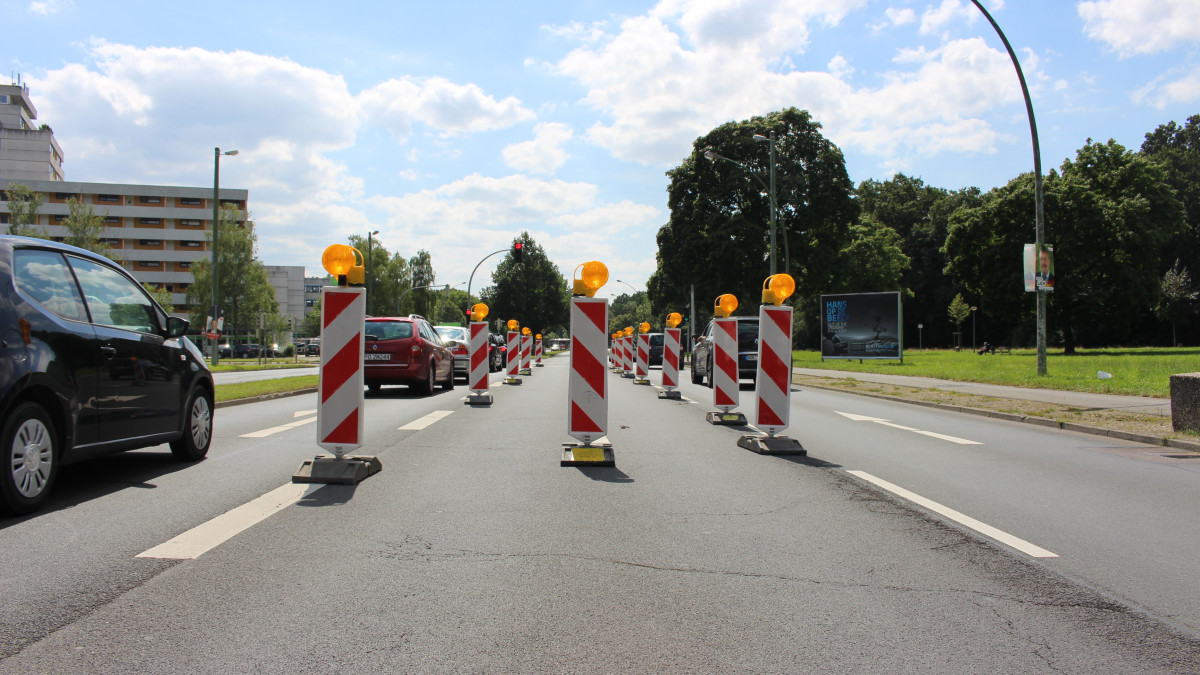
x,y
752,357
378,357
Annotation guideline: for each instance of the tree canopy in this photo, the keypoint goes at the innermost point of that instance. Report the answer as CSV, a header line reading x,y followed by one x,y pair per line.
x,y
244,290
532,291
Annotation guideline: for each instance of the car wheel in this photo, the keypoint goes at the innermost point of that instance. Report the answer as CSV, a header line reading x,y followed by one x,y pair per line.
x,y
428,385
374,387
696,379
32,462
197,431
711,380
449,383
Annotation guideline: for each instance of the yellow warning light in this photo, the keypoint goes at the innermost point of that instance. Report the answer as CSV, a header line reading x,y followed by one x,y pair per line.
x,y
512,324
526,331
479,311
537,337
628,331
777,288
674,319
339,261
594,274
724,305
644,327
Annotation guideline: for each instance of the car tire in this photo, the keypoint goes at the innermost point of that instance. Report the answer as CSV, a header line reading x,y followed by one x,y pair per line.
x,y
696,379
428,385
449,383
31,459
711,381
374,387
197,428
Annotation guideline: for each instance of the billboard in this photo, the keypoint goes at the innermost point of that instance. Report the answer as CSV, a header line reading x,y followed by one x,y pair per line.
x,y
861,326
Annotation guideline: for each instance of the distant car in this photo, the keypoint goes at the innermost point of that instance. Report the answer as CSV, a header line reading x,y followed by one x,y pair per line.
x,y
747,347
312,349
458,340
246,351
656,348
91,365
224,351
405,350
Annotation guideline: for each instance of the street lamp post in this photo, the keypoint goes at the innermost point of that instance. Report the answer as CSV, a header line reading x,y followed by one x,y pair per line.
x,y
368,270
1039,221
973,327
635,291
216,307
920,341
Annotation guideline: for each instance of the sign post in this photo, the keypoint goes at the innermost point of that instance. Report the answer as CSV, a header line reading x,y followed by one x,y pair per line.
x,y
773,384
725,368
670,364
587,395
478,350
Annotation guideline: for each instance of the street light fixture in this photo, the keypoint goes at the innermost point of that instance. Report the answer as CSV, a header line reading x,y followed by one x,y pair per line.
x,y
216,307
712,156
635,291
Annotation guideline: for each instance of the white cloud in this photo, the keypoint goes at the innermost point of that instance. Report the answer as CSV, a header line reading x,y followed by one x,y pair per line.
x,y
1132,27
544,154
48,7
900,17
452,109
839,67
1179,86
936,19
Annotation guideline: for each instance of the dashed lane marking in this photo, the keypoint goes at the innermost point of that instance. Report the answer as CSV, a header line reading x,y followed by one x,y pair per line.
x,y
419,424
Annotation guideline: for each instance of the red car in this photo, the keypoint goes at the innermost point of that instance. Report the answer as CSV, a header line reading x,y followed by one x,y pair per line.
x,y
405,350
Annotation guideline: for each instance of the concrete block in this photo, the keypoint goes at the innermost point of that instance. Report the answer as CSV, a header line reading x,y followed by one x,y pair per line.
x,y
576,454
729,419
672,395
348,470
1185,402
772,445
478,399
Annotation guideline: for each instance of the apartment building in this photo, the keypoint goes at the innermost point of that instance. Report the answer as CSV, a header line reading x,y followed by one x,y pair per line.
x,y
156,231
26,151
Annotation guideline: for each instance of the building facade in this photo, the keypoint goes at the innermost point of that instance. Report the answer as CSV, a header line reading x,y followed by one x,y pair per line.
x,y
27,152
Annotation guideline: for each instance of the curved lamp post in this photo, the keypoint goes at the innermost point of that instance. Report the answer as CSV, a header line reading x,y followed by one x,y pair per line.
x,y
712,156
1039,222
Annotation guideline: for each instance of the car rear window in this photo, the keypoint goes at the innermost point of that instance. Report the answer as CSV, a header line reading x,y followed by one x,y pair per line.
x,y
747,336
389,330
656,339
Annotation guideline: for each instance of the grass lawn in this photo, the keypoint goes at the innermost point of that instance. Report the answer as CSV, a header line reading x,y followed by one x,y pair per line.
x,y
1135,371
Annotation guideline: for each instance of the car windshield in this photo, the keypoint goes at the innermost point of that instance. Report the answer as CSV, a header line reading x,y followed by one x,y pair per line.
x,y
389,330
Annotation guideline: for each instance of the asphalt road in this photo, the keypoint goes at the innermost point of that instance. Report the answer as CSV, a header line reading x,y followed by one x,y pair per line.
x,y
474,551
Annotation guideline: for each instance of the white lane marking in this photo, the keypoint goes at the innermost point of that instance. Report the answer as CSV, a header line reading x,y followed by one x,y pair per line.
x,y
960,518
279,429
886,423
302,413
207,536
419,424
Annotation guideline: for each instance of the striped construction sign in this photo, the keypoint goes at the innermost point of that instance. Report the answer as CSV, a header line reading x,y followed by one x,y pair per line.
x,y
670,362
587,394
725,371
642,370
478,349
513,354
627,353
526,353
340,378
774,384
537,351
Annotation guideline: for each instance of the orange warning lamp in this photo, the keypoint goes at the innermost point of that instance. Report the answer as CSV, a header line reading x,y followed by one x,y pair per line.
x,y
339,260
525,331
777,288
537,337
479,311
594,274
512,324
628,331
724,305
644,328
674,319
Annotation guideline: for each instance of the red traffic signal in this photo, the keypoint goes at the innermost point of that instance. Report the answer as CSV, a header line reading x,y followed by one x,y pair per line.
x,y
517,252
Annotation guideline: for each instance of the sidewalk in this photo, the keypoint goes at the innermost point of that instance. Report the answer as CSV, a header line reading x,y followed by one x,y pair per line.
x,y
1075,399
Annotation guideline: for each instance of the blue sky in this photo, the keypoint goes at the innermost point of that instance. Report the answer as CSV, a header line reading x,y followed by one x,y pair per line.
x,y
454,126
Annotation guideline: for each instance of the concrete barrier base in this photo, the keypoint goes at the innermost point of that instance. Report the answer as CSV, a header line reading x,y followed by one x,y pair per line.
x,y
348,470
1185,402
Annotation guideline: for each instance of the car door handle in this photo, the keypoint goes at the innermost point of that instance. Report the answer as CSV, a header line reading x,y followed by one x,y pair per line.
x,y
108,351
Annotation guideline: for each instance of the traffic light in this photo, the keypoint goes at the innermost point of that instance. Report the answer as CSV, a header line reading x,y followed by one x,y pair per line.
x,y
518,252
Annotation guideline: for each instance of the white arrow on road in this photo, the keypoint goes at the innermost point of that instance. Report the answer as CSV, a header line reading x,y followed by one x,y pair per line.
x,y
886,423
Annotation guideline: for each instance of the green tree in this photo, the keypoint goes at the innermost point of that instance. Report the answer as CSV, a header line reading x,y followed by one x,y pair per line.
x,y
423,300
23,205
958,311
244,290
718,234
389,275
1177,150
1175,297
533,291
162,296
312,321
84,228
631,310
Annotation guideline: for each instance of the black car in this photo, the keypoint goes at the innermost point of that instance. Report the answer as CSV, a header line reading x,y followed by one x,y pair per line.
x,y
246,351
89,365
656,348
747,347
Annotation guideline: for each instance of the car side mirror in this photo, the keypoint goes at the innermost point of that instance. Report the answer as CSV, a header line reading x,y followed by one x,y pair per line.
x,y
176,327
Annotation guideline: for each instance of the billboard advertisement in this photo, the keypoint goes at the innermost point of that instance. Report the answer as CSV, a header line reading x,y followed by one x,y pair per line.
x,y
861,326
1039,267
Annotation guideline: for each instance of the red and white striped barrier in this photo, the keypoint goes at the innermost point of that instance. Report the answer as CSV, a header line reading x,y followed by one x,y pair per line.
x,y
670,362
587,406
627,355
641,373
340,379
773,387
512,355
526,354
478,347
725,373
616,354
537,352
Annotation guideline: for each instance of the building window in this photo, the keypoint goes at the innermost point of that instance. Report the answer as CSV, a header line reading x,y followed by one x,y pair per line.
x,y
191,223
112,220
310,303
149,263
185,265
58,218
116,243
149,221
3,217
150,242
190,244
63,196
149,200
309,288
108,198
190,201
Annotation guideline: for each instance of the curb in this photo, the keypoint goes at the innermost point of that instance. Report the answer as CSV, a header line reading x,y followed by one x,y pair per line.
x,y
264,397
1180,444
